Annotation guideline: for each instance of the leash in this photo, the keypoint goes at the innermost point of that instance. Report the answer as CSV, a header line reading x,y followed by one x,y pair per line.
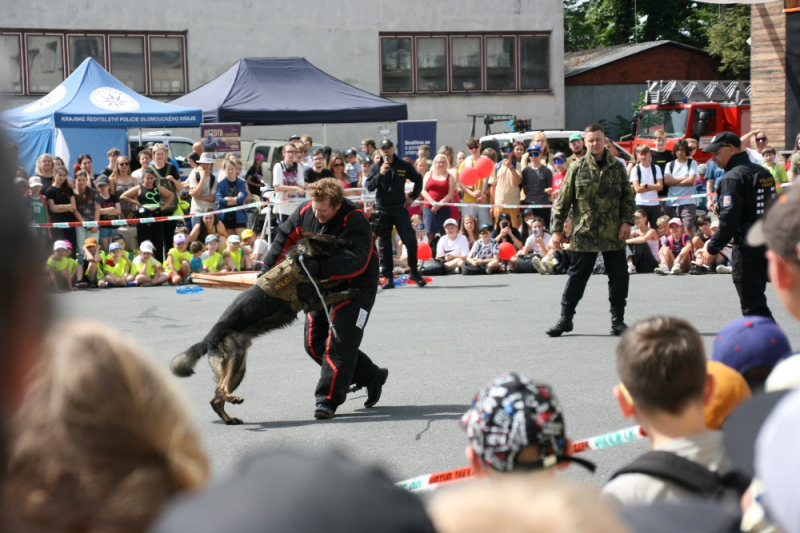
x,y
331,329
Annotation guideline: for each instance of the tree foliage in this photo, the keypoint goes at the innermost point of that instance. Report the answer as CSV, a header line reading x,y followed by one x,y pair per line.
x,y
728,39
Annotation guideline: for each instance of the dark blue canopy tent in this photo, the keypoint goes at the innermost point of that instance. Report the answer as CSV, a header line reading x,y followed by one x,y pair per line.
x,y
88,113
272,91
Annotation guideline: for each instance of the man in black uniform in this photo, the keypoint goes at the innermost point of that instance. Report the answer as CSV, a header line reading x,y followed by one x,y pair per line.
x,y
388,181
742,193
356,267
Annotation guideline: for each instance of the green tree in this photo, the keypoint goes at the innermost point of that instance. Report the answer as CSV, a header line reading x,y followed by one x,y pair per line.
x,y
728,39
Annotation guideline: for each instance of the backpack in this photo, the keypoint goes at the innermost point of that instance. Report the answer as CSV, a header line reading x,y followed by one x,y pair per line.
x,y
725,486
664,192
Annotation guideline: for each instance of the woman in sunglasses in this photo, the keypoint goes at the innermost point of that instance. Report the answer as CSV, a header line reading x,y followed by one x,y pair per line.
x,y
122,181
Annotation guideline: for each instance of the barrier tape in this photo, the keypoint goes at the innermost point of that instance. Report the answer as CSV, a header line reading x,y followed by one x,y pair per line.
x,y
430,482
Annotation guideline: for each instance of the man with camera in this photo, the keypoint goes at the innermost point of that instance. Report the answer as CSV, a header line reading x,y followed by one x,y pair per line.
x,y
387,180
597,191
506,182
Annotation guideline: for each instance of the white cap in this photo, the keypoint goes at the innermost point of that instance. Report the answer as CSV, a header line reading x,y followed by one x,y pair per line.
x,y
35,181
59,245
147,246
450,221
234,238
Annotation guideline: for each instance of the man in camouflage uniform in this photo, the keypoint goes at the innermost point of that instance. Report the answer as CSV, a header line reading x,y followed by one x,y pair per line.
x,y
597,191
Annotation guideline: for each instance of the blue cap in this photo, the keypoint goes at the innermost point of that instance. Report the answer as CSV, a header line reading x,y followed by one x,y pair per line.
x,y
212,238
750,341
114,246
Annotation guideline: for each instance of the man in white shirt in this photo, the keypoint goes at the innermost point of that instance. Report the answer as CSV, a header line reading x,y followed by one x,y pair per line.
x,y
452,248
646,180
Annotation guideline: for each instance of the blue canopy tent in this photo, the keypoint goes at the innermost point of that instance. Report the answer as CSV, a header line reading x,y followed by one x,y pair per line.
x,y
289,90
88,113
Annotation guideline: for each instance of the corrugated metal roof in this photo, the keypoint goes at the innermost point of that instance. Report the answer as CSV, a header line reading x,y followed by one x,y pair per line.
x,y
579,62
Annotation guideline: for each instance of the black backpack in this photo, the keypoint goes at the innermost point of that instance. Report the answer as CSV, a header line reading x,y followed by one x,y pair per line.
x,y
725,486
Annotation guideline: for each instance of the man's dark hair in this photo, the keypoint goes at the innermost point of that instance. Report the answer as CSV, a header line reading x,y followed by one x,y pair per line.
x,y
661,362
473,141
594,127
317,152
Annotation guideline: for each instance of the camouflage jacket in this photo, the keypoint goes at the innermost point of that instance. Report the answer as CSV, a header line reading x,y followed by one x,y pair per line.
x,y
600,199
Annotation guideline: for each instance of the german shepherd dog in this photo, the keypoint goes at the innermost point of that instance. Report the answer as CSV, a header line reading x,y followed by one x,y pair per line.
x,y
273,303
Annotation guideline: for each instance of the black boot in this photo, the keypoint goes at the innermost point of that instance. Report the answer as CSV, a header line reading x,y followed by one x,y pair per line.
x,y
389,283
564,325
618,325
417,278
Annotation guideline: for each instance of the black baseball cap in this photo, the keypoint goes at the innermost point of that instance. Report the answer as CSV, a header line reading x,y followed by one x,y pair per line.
x,y
294,137
387,143
485,227
721,140
350,152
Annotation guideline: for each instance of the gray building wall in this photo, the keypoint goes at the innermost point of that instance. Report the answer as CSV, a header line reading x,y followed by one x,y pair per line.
x,y
341,38
586,104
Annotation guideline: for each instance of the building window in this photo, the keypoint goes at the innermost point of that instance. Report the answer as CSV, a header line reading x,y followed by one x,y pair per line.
x,y
465,63
127,62
11,59
396,64
149,63
45,62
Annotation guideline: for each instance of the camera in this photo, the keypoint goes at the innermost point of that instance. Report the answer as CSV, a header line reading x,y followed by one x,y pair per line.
x,y
536,232
504,224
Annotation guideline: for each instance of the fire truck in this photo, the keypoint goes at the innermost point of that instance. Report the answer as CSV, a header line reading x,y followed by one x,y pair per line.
x,y
696,109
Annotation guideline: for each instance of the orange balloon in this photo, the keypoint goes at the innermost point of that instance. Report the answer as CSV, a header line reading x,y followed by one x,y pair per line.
x,y
424,251
507,251
484,166
469,176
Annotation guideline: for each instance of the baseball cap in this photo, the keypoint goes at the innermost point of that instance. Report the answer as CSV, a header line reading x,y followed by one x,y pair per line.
x,y
702,168
91,241
575,137
35,182
246,234
450,221
675,220
179,238
102,180
750,341
294,137
147,246
560,155
387,143
527,211
723,139
259,157
485,227
730,391
779,228
271,493
512,413
777,462
60,245
504,216
234,239
210,238
114,246
350,151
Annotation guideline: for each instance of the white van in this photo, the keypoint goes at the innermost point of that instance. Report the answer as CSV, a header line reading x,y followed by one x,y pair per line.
x,y
557,141
179,148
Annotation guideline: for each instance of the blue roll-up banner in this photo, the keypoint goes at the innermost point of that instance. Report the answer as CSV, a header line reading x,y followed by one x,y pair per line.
x,y
411,134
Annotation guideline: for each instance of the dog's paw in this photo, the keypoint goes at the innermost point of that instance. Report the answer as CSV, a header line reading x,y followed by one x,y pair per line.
x,y
234,399
233,421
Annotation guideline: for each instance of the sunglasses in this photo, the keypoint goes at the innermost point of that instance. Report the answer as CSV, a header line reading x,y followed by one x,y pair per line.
x,y
338,164
559,161
761,139
472,147
123,163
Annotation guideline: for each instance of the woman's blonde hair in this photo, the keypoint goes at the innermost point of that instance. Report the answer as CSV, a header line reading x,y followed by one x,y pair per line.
x,y
102,439
37,169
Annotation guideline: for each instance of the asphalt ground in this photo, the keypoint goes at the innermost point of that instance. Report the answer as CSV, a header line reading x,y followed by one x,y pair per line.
x,y
441,344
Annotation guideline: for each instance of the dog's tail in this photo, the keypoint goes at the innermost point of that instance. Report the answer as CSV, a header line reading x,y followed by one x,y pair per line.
x,y
182,365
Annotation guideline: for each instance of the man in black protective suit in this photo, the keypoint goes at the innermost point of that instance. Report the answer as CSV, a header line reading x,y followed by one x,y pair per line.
x,y
356,267
388,181
742,195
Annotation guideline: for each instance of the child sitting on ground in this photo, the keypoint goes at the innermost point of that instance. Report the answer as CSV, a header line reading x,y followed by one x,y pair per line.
x,y
62,270
177,263
484,258
116,268
91,271
196,264
235,258
146,270
664,386
677,254
212,259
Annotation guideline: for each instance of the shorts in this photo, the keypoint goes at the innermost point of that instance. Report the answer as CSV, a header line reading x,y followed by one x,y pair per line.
x,y
687,214
230,222
106,232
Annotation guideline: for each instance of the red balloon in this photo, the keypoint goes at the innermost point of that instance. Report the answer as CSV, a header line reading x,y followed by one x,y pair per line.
x,y
469,176
424,251
484,166
507,251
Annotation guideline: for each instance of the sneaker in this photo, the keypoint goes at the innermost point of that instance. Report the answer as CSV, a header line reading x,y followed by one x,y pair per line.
x,y
676,271
537,264
417,278
324,412
131,284
374,390
457,270
82,285
699,270
662,270
631,269
548,266
722,269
